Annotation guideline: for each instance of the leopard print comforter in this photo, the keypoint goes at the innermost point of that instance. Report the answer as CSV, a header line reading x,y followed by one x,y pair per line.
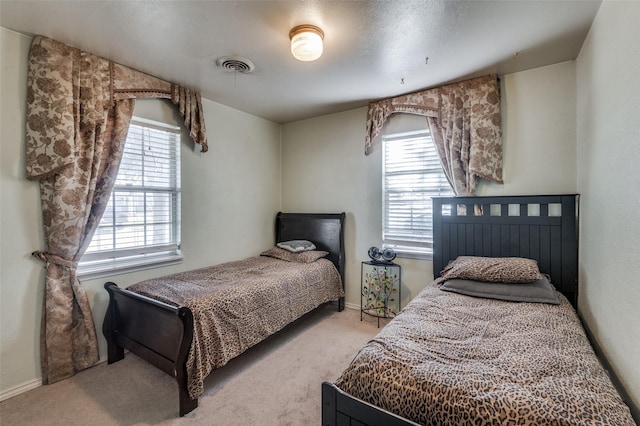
x,y
450,359
238,304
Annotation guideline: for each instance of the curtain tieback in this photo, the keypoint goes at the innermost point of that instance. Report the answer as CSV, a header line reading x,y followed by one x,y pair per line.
x,y
56,260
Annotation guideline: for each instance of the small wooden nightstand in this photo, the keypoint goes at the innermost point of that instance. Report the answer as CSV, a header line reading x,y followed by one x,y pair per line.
x,y
380,289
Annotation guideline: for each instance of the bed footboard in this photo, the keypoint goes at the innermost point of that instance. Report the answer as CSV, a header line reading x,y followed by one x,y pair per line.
x,y
339,408
157,332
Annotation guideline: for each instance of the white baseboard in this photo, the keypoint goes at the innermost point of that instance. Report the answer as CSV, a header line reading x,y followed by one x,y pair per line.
x,y
17,390
352,306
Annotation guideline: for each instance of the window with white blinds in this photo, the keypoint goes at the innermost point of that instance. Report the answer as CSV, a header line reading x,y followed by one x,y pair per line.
x,y
411,176
141,224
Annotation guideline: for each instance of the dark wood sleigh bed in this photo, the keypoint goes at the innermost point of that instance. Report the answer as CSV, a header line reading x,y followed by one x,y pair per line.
x,y
504,226
162,334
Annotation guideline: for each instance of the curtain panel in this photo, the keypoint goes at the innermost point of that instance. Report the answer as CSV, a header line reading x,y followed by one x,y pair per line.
x,y
78,111
53,70
465,122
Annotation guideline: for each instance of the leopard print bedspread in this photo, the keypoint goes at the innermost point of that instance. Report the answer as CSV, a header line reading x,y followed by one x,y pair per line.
x,y
450,359
238,304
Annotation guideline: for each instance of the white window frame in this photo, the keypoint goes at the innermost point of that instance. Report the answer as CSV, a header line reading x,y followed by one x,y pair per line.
x,y
415,238
97,264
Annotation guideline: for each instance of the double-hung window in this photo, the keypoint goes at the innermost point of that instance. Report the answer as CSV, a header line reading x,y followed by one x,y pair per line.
x,y
412,175
140,227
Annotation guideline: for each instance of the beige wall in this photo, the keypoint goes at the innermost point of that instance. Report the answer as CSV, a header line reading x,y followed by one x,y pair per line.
x,y
538,122
608,134
324,166
21,277
230,196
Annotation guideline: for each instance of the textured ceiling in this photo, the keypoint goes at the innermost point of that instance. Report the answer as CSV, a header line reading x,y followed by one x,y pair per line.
x,y
372,49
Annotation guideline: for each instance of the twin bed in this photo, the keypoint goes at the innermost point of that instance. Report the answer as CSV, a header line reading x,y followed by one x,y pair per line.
x,y
189,323
447,359
475,354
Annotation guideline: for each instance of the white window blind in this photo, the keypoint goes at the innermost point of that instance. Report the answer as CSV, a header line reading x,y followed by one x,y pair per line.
x,y
141,224
412,175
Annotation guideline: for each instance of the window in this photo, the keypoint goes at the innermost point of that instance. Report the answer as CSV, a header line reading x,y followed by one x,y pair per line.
x,y
140,227
411,176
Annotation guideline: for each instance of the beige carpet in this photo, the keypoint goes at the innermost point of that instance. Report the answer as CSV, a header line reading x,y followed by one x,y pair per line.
x,y
275,383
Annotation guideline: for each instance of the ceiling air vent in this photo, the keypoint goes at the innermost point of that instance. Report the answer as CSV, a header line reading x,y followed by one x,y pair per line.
x,y
236,64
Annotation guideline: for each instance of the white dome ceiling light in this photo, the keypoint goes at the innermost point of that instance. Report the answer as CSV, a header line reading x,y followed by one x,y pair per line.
x,y
306,42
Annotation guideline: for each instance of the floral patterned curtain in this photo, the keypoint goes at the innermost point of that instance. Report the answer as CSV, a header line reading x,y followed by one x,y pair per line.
x,y
465,122
50,142
78,111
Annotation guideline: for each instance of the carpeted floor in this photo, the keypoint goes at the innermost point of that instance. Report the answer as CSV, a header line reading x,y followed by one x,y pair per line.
x,y
274,383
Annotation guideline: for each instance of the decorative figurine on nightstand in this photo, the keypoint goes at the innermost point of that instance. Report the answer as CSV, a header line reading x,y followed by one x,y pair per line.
x,y
387,255
380,284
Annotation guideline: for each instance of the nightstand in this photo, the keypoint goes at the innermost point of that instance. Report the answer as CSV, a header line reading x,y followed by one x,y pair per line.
x,y
380,289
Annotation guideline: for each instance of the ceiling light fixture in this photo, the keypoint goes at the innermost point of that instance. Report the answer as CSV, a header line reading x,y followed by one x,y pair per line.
x,y
306,42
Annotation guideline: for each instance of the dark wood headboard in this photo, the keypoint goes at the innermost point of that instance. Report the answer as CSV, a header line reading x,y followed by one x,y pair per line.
x,y
325,230
540,227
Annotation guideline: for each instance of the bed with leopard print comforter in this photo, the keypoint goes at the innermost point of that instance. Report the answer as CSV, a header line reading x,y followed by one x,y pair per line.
x,y
450,359
238,304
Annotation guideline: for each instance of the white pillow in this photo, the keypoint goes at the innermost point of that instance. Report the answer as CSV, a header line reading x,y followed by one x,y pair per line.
x,y
296,246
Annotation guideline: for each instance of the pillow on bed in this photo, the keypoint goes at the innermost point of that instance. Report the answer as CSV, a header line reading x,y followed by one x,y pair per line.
x,y
302,257
492,269
539,291
296,246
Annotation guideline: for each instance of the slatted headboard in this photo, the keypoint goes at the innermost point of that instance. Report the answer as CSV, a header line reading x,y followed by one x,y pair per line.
x,y
541,227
